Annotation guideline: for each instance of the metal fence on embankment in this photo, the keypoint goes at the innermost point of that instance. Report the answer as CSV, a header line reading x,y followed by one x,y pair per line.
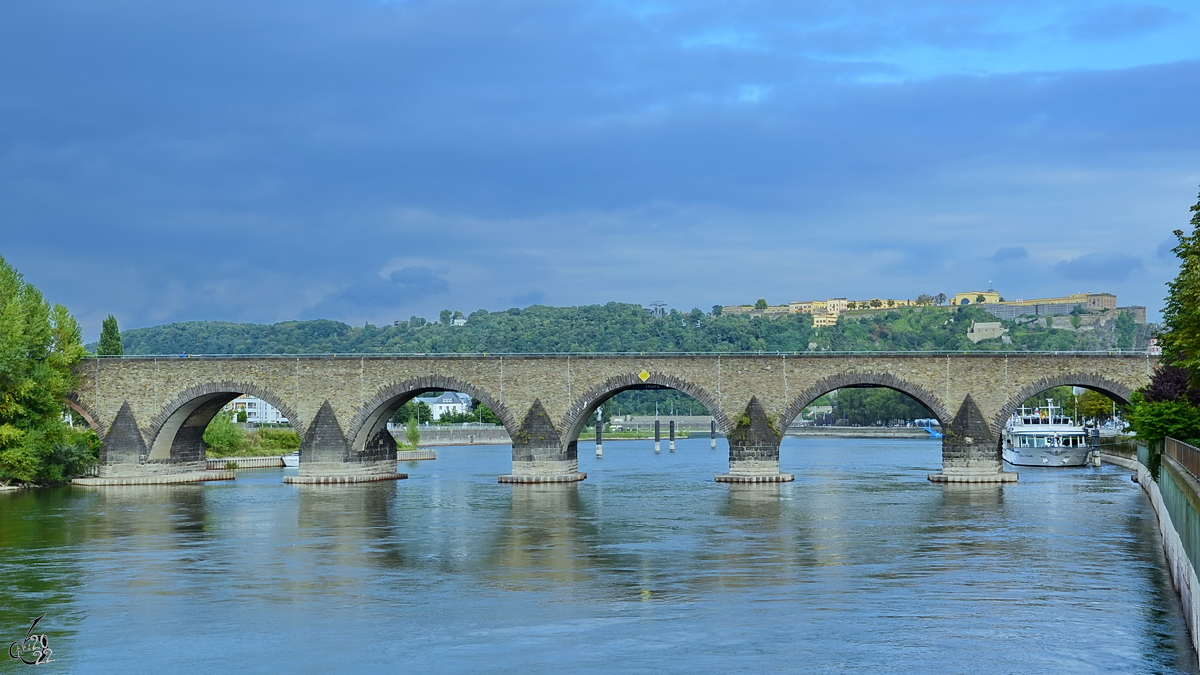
x,y
1185,454
1177,481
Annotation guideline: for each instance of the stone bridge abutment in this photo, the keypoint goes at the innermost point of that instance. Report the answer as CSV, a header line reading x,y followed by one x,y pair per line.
x,y
151,412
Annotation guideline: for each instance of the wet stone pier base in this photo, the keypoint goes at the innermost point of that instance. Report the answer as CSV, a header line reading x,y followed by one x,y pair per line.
x,y
158,479
340,480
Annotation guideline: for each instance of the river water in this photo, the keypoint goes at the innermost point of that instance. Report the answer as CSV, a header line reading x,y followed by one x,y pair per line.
x,y
860,565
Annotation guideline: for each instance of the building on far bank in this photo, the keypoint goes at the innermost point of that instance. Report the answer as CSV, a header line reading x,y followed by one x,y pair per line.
x,y
1011,309
973,297
448,402
826,312
985,331
257,410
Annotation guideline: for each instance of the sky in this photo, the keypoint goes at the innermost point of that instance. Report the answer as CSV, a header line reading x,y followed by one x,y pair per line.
x,y
367,161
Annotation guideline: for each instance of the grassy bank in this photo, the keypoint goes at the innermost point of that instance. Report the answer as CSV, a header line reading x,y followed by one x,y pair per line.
x,y
589,434
226,439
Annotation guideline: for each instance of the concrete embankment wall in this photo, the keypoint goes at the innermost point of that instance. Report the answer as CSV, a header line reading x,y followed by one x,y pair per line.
x,y
859,432
246,462
435,435
1175,497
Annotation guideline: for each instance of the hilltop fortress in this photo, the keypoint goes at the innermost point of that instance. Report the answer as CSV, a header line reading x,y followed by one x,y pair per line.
x,y
826,312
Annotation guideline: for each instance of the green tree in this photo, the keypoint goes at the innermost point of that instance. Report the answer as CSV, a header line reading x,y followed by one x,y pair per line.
x,y
445,317
39,344
415,410
760,304
412,433
717,309
940,299
1093,404
110,338
242,416
1126,329
1180,337
222,436
1156,420
867,405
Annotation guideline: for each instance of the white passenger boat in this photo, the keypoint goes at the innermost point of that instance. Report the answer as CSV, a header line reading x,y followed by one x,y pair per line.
x,y
1045,437
292,459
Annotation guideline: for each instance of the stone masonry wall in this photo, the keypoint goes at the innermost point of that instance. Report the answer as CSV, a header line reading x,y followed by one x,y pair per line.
x,y
565,389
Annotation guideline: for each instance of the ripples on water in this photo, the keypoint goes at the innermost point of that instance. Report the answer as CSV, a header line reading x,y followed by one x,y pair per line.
x,y
861,565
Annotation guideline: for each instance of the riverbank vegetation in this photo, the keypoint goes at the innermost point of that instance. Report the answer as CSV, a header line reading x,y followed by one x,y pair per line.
x,y
1170,405
618,327
225,438
39,343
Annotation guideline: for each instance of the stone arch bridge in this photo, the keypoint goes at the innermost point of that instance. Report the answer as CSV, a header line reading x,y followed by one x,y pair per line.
x,y
151,412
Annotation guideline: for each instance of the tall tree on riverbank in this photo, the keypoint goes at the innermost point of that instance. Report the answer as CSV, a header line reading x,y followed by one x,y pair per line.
x,y
1180,337
1167,407
110,338
38,345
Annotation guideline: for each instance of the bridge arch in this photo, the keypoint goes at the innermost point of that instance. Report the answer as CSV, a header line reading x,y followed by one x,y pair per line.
x,y
89,415
372,417
586,404
858,379
1111,388
178,428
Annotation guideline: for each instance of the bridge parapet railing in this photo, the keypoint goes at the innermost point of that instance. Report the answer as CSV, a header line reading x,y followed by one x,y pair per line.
x,y
810,353
1186,454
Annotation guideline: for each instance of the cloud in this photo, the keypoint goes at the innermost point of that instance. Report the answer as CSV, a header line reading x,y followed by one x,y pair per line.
x,y
1098,267
533,297
381,298
1008,253
568,153
1121,21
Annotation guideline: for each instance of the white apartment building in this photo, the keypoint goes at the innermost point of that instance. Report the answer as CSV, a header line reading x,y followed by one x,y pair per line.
x,y
449,402
257,410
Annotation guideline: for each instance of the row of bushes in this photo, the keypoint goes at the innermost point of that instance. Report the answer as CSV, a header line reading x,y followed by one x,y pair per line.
x,y
226,439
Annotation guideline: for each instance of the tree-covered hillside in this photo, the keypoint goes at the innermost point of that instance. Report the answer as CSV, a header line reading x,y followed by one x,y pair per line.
x,y
616,327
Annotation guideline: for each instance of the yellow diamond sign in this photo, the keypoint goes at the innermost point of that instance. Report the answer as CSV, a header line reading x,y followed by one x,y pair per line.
x,y
643,376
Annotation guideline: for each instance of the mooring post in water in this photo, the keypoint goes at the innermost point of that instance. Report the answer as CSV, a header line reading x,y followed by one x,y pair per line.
x,y
599,432
671,431
657,437
712,434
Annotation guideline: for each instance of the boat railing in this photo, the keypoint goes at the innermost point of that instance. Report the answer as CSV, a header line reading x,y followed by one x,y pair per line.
x,y
1184,453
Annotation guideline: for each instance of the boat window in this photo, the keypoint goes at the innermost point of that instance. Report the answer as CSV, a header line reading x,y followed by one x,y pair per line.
x,y
1039,442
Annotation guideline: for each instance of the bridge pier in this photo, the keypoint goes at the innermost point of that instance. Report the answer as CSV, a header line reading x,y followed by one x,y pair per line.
x,y
125,459
971,451
754,449
327,457
538,453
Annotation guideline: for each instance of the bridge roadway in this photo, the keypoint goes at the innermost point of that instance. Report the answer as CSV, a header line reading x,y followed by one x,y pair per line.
x,y
151,412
